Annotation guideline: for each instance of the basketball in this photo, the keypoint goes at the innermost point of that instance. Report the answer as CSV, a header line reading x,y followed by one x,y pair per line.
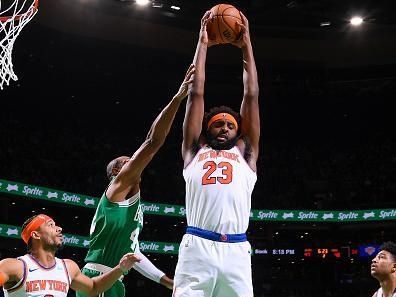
x,y
222,25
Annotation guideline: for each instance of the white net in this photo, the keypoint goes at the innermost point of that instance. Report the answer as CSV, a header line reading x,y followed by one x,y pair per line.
x,y
14,15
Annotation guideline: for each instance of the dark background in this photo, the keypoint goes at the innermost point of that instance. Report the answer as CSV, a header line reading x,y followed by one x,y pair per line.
x,y
94,75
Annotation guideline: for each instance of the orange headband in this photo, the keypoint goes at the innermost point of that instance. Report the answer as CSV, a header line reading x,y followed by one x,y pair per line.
x,y
223,116
33,226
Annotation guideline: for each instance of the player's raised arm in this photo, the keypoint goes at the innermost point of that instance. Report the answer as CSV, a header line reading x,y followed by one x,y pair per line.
x,y
96,285
250,117
129,174
192,125
11,271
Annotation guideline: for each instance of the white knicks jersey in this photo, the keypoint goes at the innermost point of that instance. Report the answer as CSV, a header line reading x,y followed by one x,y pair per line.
x,y
39,281
381,294
219,186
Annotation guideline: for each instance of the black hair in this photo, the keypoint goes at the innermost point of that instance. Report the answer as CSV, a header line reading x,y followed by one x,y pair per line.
x,y
220,109
29,243
210,138
390,247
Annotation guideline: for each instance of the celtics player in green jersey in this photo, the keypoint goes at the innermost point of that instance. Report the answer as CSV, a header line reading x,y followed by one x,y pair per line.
x,y
119,218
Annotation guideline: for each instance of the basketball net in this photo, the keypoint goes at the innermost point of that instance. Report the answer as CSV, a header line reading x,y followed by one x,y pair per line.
x,y
13,18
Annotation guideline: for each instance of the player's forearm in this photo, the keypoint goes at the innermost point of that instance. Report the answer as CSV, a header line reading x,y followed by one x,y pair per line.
x,y
11,270
148,269
198,84
250,80
105,281
195,103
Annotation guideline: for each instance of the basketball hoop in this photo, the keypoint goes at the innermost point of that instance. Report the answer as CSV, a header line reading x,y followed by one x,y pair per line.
x,y
14,15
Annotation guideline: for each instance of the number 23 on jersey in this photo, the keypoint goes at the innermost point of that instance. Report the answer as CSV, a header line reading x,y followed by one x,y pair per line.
x,y
210,167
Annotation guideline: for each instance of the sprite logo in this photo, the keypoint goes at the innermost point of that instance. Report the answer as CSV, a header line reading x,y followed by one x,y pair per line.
x,y
71,240
288,215
12,188
12,231
51,195
327,216
169,210
387,214
267,215
369,215
151,208
168,248
71,198
32,191
347,216
307,215
152,246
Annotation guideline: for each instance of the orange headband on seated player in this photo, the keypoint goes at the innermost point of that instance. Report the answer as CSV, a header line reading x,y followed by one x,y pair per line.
x,y
33,226
223,116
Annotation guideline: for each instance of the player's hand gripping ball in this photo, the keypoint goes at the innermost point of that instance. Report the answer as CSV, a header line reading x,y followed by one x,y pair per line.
x,y
222,26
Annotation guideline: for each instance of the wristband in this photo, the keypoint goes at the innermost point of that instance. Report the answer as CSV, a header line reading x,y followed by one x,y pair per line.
x,y
124,271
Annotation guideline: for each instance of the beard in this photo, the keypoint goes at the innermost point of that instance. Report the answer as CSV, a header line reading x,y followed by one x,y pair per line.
x,y
53,246
224,145
60,247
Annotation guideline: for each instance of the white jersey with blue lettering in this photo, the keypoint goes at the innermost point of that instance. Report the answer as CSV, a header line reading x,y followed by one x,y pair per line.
x,y
219,185
39,281
381,294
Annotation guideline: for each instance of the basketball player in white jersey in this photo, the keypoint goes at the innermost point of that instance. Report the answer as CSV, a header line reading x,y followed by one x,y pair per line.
x,y
383,268
220,172
40,274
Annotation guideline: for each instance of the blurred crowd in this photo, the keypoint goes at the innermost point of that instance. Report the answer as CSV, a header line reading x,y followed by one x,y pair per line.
x,y
71,156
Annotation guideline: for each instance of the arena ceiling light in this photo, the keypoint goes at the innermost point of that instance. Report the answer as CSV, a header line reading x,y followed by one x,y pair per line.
x,y
142,2
356,21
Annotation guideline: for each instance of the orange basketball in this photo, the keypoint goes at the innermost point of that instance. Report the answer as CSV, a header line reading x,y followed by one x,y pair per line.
x,y
222,25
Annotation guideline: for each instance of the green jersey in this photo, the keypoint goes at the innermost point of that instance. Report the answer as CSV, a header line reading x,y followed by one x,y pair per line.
x,y
114,230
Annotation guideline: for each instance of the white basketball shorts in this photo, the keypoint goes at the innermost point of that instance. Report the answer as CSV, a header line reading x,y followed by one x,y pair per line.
x,y
207,268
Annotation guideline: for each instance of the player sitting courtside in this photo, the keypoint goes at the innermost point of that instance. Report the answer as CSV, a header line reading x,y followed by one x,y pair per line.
x,y
383,268
40,273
